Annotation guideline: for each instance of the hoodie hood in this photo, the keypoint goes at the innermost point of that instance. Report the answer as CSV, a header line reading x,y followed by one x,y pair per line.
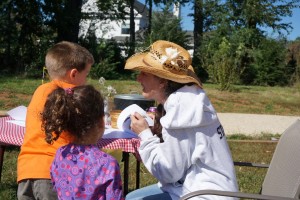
x,y
188,107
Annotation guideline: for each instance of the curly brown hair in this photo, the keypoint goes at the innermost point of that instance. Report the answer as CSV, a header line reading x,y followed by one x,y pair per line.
x,y
75,110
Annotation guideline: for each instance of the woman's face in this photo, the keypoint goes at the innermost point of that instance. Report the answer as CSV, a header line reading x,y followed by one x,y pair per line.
x,y
153,86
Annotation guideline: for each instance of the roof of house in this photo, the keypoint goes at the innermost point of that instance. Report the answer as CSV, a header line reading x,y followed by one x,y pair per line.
x,y
141,8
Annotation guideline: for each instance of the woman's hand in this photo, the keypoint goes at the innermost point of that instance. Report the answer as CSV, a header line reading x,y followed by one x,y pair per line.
x,y
138,123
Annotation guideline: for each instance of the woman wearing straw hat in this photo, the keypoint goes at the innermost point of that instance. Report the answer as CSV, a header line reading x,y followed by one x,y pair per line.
x,y
194,153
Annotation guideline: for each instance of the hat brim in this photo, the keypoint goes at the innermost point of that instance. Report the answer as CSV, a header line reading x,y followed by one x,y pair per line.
x,y
136,62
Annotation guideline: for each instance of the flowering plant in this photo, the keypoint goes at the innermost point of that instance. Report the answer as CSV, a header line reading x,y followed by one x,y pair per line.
x,y
108,91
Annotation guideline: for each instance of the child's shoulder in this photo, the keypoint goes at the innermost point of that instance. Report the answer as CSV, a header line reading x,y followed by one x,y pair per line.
x,y
45,88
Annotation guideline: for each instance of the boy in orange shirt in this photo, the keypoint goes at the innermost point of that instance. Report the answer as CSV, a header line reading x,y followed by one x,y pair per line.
x,y
68,65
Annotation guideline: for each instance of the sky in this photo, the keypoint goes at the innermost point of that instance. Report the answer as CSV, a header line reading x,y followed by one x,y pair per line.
x,y
187,22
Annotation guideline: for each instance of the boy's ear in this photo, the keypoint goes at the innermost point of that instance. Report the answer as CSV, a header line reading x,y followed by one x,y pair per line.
x,y
73,73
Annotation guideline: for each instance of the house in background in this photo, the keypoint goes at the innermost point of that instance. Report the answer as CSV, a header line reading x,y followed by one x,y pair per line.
x,y
119,29
113,29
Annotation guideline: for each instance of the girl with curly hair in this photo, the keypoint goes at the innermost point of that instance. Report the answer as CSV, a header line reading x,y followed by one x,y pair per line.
x,y
80,170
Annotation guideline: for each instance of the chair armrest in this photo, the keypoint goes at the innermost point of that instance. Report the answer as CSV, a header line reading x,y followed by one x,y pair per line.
x,y
247,164
233,194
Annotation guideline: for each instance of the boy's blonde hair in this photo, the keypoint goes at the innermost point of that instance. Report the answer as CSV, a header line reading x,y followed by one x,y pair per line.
x,y
65,56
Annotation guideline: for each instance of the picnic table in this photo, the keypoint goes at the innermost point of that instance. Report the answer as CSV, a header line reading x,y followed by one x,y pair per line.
x,y
13,135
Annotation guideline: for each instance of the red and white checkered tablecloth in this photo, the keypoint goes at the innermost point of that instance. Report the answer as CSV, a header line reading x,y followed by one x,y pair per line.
x,y
12,134
126,144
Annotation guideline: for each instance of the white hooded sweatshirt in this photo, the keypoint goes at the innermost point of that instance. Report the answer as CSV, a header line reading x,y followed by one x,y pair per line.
x,y
195,154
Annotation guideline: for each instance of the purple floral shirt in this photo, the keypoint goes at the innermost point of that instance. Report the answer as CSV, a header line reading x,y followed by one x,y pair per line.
x,y
85,172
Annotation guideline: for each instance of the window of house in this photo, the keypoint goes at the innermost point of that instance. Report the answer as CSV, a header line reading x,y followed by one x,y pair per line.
x,y
125,28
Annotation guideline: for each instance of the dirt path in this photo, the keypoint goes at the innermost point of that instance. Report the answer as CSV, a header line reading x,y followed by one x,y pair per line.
x,y
250,123
254,123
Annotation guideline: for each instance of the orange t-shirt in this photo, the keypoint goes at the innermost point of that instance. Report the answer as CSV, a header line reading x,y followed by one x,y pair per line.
x,y
36,154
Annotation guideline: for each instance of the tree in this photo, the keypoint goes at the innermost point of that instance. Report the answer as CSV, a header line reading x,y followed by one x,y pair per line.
x,y
254,14
157,3
270,63
108,59
29,28
150,4
204,17
169,30
293,61
198,36
64,17
8,36
242,23
22,30
132,29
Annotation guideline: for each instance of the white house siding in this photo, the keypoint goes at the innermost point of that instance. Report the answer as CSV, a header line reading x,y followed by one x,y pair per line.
x,y
108,29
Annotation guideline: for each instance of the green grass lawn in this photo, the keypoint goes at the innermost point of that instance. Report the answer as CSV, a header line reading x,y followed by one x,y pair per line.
x,y
249,178
244,99
17,91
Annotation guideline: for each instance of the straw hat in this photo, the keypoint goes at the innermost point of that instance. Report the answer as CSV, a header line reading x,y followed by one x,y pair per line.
x,y
166,60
